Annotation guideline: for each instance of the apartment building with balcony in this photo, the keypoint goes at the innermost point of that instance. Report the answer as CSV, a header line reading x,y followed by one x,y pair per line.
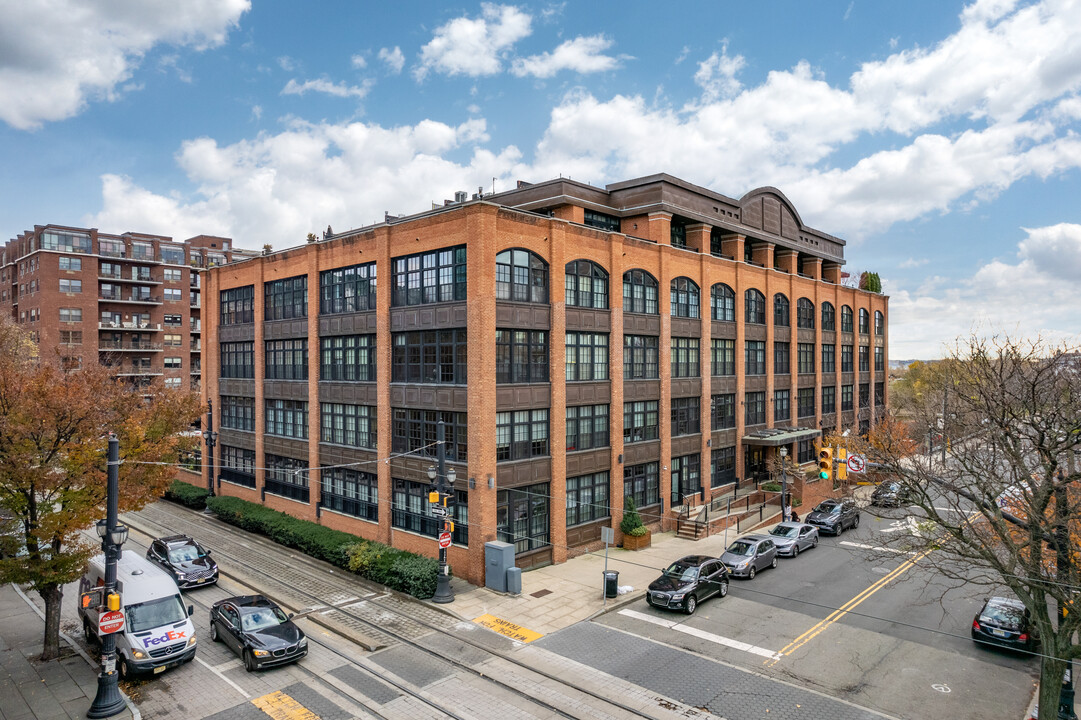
x,y
652,339
132,301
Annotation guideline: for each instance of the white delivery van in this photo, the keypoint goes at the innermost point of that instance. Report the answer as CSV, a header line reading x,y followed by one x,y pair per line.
x,y
158,633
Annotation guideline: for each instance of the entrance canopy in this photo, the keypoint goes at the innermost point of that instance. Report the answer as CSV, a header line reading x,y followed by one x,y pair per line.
x,y
775,437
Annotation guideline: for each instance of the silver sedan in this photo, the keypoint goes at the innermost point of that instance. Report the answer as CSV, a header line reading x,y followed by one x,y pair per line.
x,y
791,538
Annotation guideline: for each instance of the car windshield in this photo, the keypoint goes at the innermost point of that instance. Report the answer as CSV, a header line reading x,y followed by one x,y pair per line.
x,y
686,573
741,548
828,508
782,531
891,487
1008,617
260,618
155,613
184,553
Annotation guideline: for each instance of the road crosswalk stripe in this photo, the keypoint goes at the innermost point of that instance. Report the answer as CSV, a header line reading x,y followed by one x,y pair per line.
x,y
701,634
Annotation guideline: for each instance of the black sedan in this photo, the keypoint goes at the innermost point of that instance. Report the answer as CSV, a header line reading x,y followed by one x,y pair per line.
x,y
1004,621
687,582
833,516
185,559
258,631
891,494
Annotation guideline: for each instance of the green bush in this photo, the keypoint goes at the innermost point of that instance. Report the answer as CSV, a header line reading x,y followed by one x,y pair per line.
x,y
770,487
187,494
631,519
397,569
639,531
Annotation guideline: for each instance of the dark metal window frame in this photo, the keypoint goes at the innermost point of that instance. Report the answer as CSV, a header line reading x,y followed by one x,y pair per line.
x,y
521,356
286,299
846,358
829,316
582,272
782,357
587,427
414,431
347,358
643,483
865,322
805,402
237,465
528,531
686,476
430,356
287,477
641,420
880,357
686,416
782,311
722,303
722,466
521,276
286,359
637,297
805,358
829,358
237,359
754,357
805,314
238,413
411,511
684,298
641,357
522,434
348,289
846,319
286,418
782,405
755,408
754,307
880,323
829,399
350,492
435,276
722,357
587,498
846,398
865,358
602,221
586,356
686,357
351,425
722,411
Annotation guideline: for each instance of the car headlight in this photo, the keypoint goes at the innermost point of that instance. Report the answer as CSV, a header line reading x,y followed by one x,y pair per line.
x,y
260,653
138,654
678,596
303,642
192,641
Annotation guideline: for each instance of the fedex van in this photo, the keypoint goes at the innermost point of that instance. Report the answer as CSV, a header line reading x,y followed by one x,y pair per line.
x,y
158,633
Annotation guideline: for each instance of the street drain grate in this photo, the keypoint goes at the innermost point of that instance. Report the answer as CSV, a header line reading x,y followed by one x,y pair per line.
x,y
540,593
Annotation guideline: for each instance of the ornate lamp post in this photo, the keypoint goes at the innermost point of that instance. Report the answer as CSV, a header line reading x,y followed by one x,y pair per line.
x,y
786,513
443,482
211,439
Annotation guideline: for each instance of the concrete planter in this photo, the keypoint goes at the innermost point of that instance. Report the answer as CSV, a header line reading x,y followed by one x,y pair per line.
x,y
630,542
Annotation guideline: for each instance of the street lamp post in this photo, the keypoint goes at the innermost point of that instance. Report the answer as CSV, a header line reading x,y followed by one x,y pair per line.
x,y
443,481
785,512
108,701
211,438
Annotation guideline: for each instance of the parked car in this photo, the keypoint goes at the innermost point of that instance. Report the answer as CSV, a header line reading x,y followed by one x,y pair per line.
x,y
687,582
749,554
258,631
834,516
185,559
1005,622
891,494
791,538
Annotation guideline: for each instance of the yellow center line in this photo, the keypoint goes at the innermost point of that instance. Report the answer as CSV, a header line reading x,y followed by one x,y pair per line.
x,y
845,609
280,706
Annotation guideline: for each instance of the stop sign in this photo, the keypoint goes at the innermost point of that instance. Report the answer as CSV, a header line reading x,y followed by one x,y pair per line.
x,y
110,622
444,540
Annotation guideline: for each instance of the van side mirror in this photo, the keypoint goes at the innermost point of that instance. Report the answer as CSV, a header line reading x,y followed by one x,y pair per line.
x,y
191,610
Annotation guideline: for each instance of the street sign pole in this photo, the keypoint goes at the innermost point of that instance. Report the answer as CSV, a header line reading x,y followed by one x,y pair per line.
x,y
443,593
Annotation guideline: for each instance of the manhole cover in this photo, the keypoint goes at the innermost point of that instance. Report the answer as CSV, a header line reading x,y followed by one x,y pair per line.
x,y
541,593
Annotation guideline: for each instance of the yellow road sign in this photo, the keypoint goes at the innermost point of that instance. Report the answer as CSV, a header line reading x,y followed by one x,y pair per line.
x,y
506,627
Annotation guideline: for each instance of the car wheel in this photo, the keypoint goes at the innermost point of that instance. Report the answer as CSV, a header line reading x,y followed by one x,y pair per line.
x,y
214,632
856,522
723,592
124,668
774,563
750,575
249,661
814,542
795,550
692,603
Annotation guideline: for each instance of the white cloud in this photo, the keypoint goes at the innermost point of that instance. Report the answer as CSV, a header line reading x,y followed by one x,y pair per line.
x,y
287,63
57,56
256,112
474,47
326,86
913,263
393,59
359,62
717,76
581,55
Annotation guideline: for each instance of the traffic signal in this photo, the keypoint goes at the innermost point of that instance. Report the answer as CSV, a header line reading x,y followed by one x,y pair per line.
x,y
92,599
825,463
842,464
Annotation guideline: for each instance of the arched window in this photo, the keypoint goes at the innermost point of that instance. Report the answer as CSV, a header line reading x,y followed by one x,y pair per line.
x,y
880,323
829,316
846,319
684,298
722,300
805,314
586,285
754,304
639,292
865,322
521,276
780,310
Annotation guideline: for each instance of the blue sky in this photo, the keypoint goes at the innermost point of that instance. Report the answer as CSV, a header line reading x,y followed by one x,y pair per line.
x,y
940,139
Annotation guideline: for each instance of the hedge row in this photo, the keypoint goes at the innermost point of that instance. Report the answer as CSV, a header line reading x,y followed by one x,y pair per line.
x,y
187,494
397,569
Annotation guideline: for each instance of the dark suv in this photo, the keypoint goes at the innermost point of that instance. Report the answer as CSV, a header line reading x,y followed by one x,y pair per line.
x,y
688,581
834,516
184,559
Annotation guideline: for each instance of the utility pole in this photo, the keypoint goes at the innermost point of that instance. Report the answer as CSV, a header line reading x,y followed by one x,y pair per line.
x,y
786,513
444,485
945,396
1064,574
211,438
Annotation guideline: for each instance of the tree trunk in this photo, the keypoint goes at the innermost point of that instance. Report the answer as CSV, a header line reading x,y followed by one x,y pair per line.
x,y
1051,674
52,594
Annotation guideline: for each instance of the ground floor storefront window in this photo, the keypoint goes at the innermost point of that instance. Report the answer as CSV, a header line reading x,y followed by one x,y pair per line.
x,y
411,511
522,517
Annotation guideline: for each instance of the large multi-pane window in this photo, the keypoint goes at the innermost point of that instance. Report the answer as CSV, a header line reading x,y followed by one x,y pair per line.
x,y
805,358
755,404
754,360
684,298
686,416
71,314
782,405
521,276
865,322
781,311
643,484
880,323
805,451
677,234
640,357
347,289
829,316
238,413
846,397
586,356
602,221
587,427
521,516
70,263
782,358
411,511
722,466
686,477
428,277
805,402
829,358
846,358
71,286
415,432
586,284
288,418
805,314
429,356
641,421
237,466
287,477
865,358
347,358
722,357
350,492
865,395
352,425
66,241
829,399
639,292
171,255
238,359
521,356
286,359
754,307
846,319
722,412
521,434
587,498
880,357
685,357
880,393
286,299
722,301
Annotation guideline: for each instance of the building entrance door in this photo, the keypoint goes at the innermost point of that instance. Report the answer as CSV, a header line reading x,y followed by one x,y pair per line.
x,y
754,464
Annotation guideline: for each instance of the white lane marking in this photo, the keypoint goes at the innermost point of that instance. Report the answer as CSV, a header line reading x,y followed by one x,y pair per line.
x,y
702,634
861,546
219,674
909,524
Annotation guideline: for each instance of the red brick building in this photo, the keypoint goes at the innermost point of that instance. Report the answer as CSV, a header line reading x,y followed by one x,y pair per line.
x,y
651,338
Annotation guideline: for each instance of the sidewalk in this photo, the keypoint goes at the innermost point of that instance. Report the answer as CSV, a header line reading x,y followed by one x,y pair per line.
x,y
33,690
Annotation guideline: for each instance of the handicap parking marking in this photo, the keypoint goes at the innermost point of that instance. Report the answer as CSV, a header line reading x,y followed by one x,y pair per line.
x,y
701,634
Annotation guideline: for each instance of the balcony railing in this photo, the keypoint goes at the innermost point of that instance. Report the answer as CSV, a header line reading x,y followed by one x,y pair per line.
x,y
128,325
121,345
117,297
195,303
113,253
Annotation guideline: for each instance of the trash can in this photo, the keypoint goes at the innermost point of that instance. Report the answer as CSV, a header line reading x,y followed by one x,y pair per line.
x,y
611,583
514,580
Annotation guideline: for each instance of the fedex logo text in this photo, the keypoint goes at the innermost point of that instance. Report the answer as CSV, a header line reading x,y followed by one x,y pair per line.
x,y
167,637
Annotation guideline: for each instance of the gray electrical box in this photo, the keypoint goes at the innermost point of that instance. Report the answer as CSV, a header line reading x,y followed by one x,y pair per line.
x,y
498,558
514,580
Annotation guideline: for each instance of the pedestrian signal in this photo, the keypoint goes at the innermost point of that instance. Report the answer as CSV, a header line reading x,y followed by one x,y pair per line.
x,y
112,601
825,463
92,599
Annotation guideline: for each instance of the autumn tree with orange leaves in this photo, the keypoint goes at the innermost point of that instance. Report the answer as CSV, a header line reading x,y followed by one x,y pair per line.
x,y
54,426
